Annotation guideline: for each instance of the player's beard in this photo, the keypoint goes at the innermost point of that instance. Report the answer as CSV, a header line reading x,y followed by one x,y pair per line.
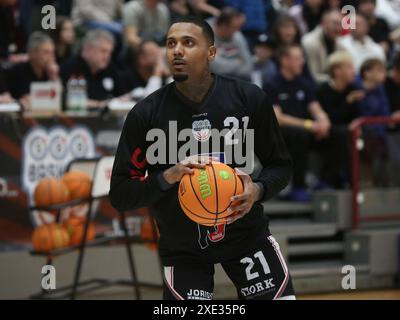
x,y
179,77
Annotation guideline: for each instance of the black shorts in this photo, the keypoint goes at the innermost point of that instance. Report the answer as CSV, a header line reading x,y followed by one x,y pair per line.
x,y
260,274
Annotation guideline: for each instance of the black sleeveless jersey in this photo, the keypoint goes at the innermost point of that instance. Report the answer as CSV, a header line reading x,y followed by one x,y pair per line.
x,y
156,134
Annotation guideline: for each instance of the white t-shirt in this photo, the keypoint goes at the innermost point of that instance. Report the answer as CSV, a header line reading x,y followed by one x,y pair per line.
x,y
362,51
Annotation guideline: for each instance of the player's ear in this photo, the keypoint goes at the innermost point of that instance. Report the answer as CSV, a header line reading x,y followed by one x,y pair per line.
x,y
212,51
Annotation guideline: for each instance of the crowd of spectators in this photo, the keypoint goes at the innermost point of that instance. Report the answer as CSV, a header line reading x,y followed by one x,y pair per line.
x,y
319,74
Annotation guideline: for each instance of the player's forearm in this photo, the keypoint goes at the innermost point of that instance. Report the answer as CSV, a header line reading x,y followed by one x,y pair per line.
x,y
275,178
270,148
276,162
130,188
127,193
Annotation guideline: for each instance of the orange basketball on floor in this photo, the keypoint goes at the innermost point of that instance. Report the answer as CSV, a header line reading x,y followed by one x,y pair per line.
x,y
50,236
50,191
206,195
78,183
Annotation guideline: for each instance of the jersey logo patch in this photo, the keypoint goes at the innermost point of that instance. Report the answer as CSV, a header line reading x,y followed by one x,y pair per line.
x,y
201,129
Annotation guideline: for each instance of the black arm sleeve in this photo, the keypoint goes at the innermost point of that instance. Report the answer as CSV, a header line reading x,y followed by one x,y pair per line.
x,y
270,148
130,188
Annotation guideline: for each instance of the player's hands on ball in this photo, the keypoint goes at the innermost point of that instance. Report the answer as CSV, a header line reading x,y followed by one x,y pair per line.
x,y
244,202
175,173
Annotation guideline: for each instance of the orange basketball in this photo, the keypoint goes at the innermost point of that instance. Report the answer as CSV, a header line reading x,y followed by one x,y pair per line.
x,y
75,227
78,183
206,194
50,236
50,191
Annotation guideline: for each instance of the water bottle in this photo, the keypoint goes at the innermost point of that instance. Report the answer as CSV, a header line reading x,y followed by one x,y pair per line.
x,y
72,98
81,93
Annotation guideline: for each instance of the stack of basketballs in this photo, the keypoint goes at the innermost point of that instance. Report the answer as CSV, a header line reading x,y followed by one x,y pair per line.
x,y
52,191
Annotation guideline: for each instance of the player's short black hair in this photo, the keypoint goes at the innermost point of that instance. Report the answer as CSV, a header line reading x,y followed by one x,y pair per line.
x,y
205,27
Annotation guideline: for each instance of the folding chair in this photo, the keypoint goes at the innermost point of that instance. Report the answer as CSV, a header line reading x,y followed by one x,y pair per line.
x,y
100,171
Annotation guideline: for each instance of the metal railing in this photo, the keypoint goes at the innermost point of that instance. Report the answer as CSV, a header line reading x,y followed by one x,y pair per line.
x,y
357,144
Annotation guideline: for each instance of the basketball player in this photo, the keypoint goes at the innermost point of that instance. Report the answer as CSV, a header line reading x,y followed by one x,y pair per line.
x,y
244,246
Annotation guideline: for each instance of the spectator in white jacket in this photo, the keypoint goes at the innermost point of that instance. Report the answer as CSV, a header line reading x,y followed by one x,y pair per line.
x,y
360,45
321,42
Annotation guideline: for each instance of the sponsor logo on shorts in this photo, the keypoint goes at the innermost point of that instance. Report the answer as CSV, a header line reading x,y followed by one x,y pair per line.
x,y
196,294
258,288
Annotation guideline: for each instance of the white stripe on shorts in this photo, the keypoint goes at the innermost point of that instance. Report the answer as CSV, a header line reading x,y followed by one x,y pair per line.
x,y
169,281
283,264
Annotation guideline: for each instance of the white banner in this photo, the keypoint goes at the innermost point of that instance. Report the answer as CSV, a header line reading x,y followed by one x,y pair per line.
x,y
47,152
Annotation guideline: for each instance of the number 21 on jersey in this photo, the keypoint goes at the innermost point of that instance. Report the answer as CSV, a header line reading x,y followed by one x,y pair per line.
x,y
234,125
